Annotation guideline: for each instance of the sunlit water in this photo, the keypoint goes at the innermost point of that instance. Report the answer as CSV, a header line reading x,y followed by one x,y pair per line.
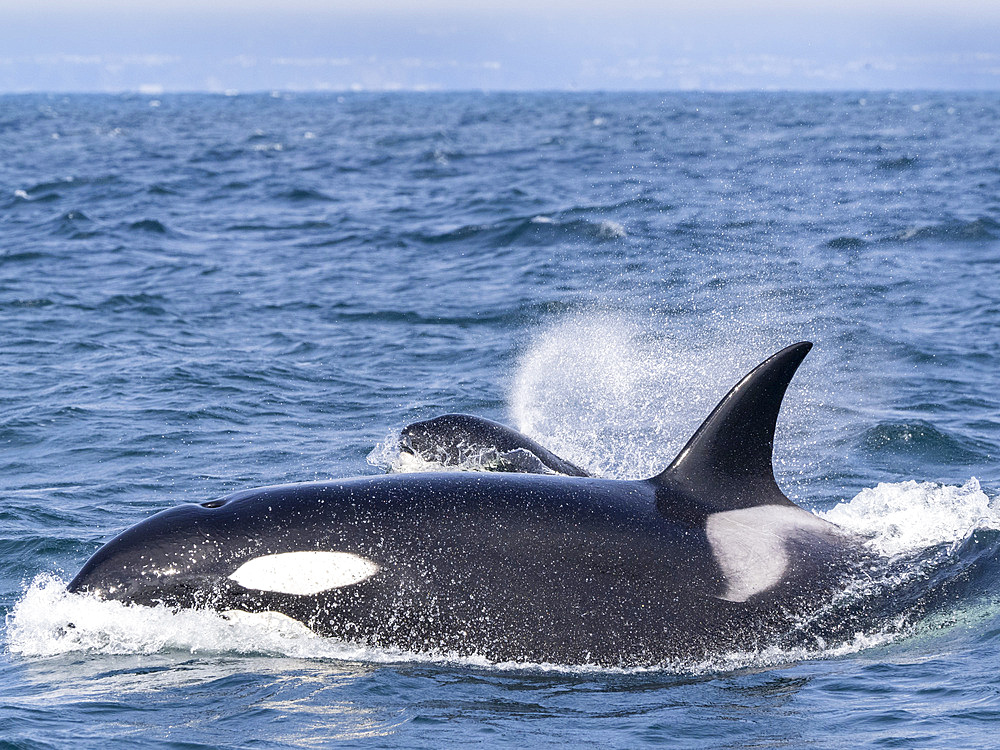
x,y
203,294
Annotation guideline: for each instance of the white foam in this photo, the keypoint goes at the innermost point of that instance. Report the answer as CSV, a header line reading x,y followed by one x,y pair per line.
x,y
48,621
385,452
910,516
776,656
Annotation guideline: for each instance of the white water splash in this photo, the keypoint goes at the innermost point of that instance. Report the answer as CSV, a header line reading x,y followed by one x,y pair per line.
x,y
618,396
910,516
48,621
386,454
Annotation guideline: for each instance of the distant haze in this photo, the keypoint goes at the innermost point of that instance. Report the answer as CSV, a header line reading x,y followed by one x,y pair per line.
x,y
313,46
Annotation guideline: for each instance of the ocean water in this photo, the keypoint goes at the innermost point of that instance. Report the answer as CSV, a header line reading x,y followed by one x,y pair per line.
x,y
200,294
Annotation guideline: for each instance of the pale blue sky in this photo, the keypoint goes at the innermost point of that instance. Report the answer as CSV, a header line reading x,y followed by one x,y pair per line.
x,y
219,45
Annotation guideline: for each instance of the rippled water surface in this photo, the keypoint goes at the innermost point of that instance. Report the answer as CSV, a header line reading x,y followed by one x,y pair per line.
x,y
203,294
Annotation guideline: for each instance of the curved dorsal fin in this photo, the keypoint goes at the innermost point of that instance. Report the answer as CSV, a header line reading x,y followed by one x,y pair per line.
x,y
727,462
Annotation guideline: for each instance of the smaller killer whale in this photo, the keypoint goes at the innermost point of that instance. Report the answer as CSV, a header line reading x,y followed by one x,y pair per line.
x,y
709,556
469,441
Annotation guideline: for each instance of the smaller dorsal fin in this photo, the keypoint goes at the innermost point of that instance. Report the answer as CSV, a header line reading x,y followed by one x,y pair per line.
x,y
727,462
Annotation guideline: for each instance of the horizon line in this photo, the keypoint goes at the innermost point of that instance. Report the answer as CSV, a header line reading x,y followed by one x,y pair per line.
x,y
147,91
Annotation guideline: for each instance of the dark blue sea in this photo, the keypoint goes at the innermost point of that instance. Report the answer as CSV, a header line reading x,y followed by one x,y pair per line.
x,y
200,294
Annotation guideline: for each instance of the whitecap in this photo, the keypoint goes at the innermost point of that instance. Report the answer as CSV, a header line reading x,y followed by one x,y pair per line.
x,y
610,230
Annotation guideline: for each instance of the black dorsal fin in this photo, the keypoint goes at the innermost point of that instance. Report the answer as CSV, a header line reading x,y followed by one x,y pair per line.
x,y
727,462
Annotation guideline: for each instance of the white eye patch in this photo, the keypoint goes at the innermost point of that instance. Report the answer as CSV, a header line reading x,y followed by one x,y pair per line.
x,y
304,573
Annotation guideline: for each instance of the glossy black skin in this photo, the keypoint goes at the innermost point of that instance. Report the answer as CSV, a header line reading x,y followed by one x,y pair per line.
x,y
522,567
462,439
510,567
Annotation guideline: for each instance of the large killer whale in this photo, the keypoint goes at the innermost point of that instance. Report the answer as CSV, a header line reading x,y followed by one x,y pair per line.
x,y
708,556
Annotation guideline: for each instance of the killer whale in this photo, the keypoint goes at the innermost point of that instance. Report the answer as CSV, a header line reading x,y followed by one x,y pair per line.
x,y
467,440
708,556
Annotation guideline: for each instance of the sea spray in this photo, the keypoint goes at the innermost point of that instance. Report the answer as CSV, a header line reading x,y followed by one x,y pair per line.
x,y
619,395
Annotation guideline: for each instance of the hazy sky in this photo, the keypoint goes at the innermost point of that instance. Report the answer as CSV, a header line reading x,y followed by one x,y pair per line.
x,y
220,45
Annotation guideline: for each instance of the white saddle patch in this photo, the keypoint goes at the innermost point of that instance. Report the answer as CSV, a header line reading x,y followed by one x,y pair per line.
x,y
749,545
304,573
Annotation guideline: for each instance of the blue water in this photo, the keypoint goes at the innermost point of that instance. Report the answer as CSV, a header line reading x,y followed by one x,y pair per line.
x,y
201,294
